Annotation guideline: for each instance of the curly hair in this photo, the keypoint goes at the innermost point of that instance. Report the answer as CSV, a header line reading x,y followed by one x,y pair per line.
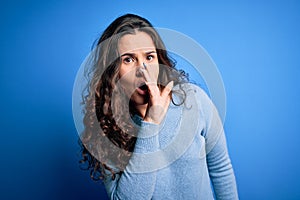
x,y
108,140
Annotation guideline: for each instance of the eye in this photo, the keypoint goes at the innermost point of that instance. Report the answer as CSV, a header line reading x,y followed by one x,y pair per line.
x,y
150,57
128,60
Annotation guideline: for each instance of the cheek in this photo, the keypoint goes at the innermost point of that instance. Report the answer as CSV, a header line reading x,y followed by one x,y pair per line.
x,y
127,78
157,70
126,85
122,71
126,70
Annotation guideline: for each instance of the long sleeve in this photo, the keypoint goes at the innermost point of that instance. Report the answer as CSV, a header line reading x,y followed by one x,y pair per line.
x,y
133,183
187,176
221,171
218,161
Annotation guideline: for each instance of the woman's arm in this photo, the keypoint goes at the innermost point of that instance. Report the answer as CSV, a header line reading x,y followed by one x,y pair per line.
x,y
218,161
134,183
221,171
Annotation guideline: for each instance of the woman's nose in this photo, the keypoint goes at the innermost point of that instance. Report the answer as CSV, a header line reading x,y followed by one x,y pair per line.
x,y
138,69
140,63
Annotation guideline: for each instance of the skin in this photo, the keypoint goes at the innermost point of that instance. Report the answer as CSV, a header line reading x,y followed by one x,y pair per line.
x,y
136,49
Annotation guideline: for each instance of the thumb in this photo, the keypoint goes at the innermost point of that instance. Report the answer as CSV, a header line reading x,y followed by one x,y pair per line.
x,y
166,91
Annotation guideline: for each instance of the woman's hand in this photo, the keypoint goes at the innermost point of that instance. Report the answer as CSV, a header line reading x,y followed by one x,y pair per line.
x,y
158,100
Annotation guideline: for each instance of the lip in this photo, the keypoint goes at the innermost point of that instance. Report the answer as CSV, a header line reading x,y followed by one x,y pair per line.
x,y
139,90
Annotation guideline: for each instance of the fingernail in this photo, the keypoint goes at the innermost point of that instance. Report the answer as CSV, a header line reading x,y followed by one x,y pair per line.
x,y
171,84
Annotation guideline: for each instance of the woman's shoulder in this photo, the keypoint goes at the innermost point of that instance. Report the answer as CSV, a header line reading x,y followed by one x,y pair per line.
x,y
194,90
196,96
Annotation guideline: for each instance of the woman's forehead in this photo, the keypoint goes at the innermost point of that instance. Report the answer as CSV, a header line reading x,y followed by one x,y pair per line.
x,y
133,43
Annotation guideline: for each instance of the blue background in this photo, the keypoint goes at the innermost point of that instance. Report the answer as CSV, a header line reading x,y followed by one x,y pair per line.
x,y
255,46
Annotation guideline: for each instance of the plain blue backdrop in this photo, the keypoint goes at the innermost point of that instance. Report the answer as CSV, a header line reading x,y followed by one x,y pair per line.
x,y
255,46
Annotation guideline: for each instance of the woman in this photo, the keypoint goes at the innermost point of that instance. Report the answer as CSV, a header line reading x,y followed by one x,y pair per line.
x,y
155,136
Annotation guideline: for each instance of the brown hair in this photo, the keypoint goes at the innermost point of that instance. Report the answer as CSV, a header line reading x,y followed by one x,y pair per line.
x,y
97,155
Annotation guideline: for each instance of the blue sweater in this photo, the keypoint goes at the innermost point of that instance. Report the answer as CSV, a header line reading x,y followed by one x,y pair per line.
x,y
180,158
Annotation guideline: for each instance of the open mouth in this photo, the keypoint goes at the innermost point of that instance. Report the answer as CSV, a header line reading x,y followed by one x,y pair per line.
x,y
142,89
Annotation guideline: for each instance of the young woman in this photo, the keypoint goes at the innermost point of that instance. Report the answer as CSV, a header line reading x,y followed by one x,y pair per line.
x,y
149,133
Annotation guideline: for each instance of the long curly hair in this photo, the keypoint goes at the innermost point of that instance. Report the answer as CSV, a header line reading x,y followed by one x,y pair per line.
x,y
108,140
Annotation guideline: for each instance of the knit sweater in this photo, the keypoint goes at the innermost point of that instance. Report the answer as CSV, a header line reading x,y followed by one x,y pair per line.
x,y
181,157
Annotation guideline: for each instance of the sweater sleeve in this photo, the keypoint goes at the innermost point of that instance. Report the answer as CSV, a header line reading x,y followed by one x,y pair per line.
x,y
135,182
218,161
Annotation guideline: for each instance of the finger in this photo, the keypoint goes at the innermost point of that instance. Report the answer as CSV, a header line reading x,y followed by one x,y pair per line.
x,y
149,72
166,91
145,66
153,89
145,74
152,85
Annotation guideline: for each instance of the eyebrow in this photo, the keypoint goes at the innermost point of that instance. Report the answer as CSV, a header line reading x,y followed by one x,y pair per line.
x,y
132,54
149,52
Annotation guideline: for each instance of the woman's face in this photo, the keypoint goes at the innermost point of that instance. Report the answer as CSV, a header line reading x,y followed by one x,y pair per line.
x,y
136,49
